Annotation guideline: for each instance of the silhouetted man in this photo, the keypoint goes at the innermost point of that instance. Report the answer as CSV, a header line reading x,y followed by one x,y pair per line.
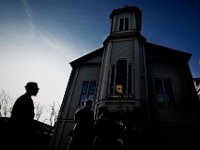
x,y
82,136
22,117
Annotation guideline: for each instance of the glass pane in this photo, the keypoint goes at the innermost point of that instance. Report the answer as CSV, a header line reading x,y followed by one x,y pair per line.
x,y
121,76
169,96
85,87
112,80
126,23
91,96
82,99
158,86
92,87
84,90
129,79
160,97
159,91
121,24
168,85
91,92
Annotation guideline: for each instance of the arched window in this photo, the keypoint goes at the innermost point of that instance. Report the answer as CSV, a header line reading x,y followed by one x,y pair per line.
x,y
121,77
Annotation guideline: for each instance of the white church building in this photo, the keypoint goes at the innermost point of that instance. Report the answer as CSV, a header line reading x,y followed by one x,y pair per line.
x,y
148,86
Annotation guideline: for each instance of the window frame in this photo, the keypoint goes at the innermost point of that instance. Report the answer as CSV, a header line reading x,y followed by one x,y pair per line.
x,y
124,23
113,77
117,76
167,93
89,92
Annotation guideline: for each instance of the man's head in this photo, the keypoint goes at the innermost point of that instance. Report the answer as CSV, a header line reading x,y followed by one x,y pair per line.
x,y
88,103
32,88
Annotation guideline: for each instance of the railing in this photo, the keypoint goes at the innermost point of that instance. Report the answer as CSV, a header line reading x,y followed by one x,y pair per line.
x,y
120,96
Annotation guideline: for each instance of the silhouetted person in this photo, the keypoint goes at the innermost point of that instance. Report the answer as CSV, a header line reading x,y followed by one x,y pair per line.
x,y
103,130
82,135
117,134
109,131
22,117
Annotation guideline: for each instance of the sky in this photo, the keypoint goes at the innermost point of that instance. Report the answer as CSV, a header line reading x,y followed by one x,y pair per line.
x,y
39,38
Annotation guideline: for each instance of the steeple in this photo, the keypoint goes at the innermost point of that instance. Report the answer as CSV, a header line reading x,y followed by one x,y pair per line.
x,y
127,19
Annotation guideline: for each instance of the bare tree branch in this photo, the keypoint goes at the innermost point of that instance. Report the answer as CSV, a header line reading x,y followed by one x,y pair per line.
x,y
53,113
5,103
38,111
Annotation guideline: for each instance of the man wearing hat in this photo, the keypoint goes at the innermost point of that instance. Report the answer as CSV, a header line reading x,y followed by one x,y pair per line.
x,y
22,117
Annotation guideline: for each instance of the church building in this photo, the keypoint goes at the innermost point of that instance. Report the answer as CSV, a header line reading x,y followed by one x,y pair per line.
x,y
148,86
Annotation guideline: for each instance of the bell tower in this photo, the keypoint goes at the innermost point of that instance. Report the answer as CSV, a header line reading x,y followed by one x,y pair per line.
x,y
125,20
122,84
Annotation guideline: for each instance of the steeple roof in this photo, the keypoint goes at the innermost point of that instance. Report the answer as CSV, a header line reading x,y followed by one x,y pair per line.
x,y
125,9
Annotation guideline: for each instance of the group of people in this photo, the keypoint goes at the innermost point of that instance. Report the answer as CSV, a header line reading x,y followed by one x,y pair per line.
x,y
105,133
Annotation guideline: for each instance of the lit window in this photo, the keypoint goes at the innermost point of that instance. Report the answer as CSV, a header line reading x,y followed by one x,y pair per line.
x,y
87,92
119,89
121,76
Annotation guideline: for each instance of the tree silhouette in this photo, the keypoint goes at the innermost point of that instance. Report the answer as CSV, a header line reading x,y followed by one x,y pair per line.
x,y
6,103
38,111
54,109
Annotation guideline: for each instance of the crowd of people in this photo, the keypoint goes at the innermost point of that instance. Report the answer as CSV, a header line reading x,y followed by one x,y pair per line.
x,y
104,133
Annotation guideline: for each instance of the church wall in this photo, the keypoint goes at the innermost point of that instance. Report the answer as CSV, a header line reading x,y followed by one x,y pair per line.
x,y
86,73
95,60
122,49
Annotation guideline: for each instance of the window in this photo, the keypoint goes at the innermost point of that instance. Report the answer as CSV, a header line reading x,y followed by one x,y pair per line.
x,y
123,24
129,79
163,92
87,92
126,23
112,79
121,76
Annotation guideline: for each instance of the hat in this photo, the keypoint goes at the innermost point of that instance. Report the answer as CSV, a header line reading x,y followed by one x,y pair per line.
x,y
31,85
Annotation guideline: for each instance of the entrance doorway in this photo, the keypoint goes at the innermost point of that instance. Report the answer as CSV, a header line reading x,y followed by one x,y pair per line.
x,y
133,128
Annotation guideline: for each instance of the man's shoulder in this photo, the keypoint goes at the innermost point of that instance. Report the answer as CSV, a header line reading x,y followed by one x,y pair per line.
x,y
88,110
22,100
22,97
79,110
84,109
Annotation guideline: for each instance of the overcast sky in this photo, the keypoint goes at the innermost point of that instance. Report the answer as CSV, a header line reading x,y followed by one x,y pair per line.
x,y
38,38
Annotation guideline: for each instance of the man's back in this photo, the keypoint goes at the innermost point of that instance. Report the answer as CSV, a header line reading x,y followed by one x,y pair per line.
x,y
84,121
23,109
83,129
